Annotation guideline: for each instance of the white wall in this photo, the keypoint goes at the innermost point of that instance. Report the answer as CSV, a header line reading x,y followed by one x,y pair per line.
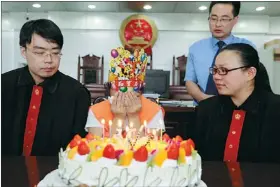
x,y
98,33
7,47
267,58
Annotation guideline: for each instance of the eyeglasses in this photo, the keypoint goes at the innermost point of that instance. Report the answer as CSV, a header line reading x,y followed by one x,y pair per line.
x,y
222,70
223,21
43,55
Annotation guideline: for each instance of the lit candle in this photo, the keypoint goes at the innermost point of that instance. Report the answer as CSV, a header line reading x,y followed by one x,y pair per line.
x,y
110,126
119,129
149,139
103,123
155,134
145,127
138,135
148,131
120,123
127,138
161,126
127,130
141,129
133,130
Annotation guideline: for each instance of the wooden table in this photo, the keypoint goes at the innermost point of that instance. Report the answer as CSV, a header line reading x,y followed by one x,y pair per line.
x,y
214,174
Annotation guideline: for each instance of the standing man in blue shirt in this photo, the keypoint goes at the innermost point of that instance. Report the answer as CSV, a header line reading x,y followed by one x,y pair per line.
x,y
223,16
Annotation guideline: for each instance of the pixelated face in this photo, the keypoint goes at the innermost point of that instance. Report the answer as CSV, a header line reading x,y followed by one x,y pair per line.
x,y
126,54
126,70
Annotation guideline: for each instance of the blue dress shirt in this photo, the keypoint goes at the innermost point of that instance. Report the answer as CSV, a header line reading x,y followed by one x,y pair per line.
x,y
200,58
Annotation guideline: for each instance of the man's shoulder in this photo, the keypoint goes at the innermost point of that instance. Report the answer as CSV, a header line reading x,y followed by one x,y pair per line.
x,y
200,43
11,76
273,99
69,83
12,72
242,40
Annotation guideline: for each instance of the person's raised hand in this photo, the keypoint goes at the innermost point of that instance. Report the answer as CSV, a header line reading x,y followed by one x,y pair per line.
x,y
132,103
118,105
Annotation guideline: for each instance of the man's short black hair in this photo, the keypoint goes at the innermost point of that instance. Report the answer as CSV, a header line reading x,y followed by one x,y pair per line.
x,y
44,28
235,5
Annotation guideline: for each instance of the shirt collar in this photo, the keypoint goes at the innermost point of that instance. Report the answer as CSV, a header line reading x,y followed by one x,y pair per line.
x,y
227,41
251,104
50,84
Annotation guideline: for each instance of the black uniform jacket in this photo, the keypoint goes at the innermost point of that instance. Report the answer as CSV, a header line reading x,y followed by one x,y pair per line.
x,y
63,112
260,136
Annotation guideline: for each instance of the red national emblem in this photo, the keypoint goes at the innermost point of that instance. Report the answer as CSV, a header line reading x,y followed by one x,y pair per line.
x,y
138,31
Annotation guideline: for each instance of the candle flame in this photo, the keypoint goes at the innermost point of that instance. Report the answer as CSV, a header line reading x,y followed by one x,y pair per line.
x,y
103,121
120,123
110,123
131,125
145,123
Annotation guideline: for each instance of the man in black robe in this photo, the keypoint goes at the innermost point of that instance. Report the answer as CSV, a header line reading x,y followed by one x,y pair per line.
x,y
42,109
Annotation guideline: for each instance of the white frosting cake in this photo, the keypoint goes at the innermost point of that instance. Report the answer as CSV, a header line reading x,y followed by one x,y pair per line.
x,y
125,169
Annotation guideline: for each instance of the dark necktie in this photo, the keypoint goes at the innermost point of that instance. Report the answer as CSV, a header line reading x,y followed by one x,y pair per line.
x,y
211,87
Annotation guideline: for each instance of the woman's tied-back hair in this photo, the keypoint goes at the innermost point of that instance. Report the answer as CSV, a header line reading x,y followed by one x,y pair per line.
x,y
249,57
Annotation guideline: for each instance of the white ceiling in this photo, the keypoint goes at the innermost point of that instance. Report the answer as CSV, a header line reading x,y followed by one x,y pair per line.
x,y
247,8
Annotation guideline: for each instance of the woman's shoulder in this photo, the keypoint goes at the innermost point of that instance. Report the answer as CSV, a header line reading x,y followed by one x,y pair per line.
x,y
210,102
273,100
209,106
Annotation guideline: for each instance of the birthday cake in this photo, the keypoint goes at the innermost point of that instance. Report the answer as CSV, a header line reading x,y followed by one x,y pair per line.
x,y
118,161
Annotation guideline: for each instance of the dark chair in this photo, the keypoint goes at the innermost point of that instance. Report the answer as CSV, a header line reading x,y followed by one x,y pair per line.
x,y
96,90
91,69
179,69
107,86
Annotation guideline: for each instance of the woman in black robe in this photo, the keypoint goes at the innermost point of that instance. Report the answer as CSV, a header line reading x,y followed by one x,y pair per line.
x,y
242,123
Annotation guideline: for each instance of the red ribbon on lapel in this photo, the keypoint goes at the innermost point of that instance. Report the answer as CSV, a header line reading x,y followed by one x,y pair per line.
x,y
31,120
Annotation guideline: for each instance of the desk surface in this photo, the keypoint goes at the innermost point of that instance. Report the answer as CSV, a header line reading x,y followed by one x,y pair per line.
x,y
214,174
